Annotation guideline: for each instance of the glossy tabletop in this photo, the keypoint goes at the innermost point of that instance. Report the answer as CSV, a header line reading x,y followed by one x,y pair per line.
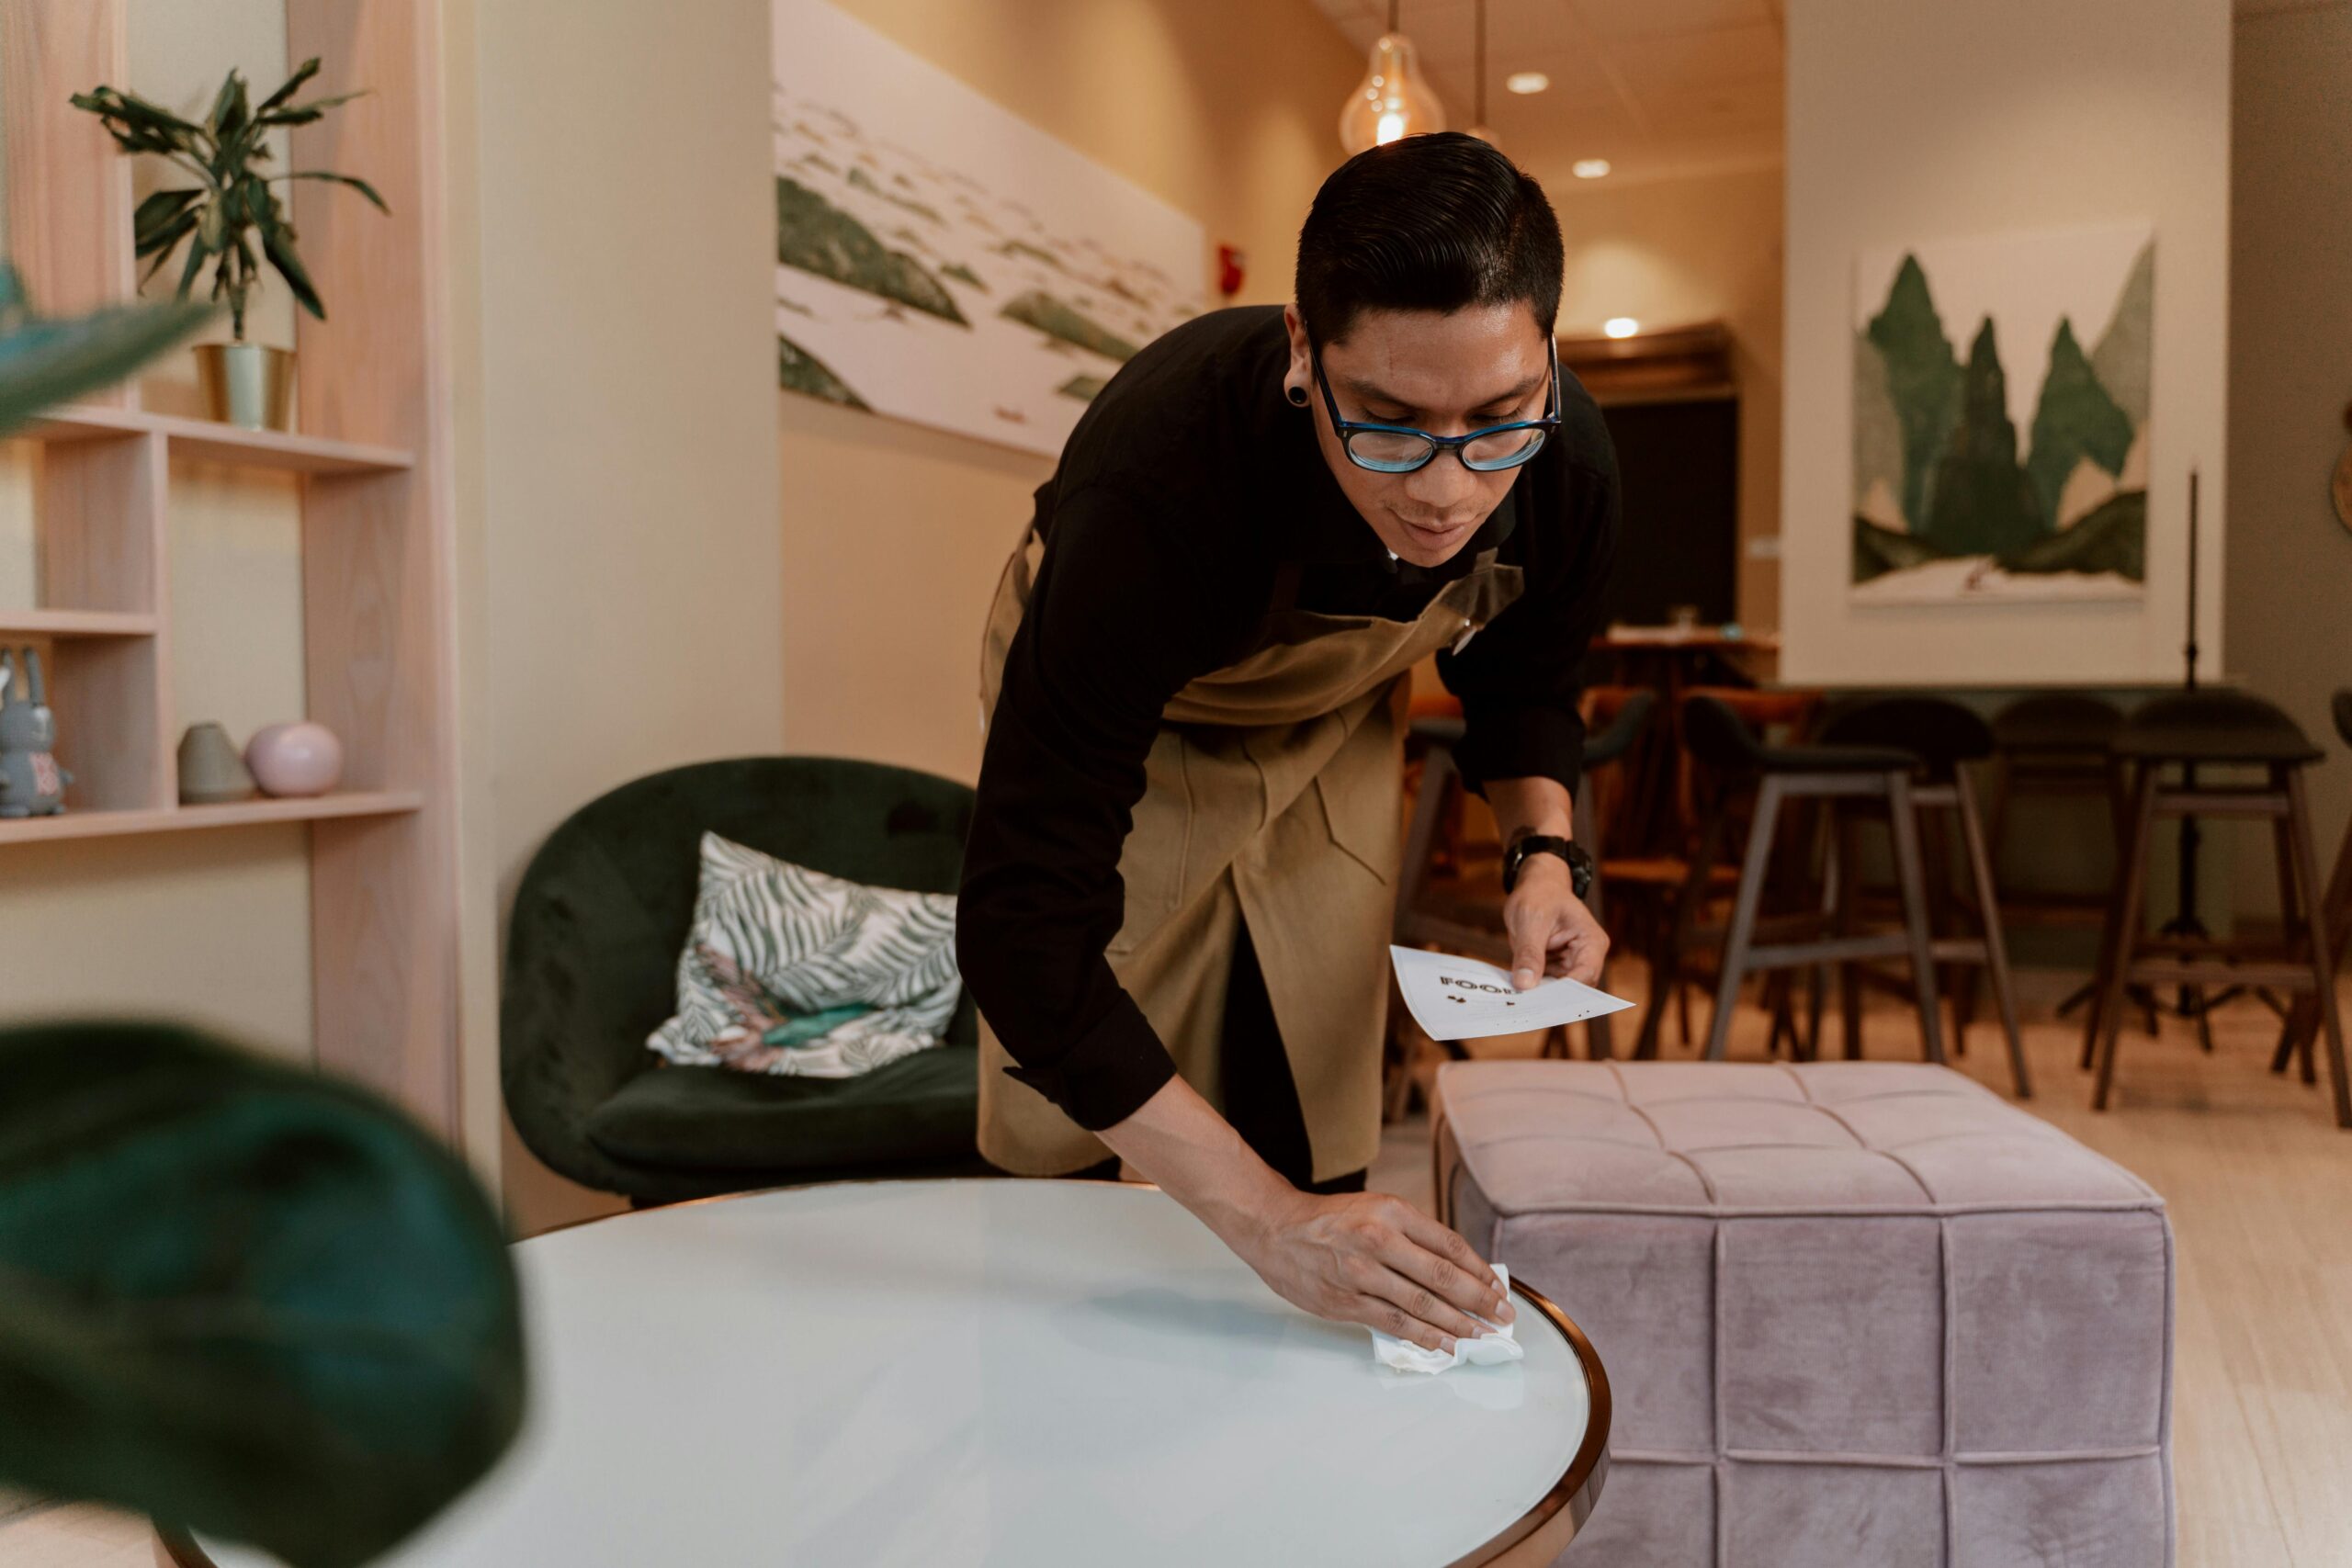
x,y
994,1372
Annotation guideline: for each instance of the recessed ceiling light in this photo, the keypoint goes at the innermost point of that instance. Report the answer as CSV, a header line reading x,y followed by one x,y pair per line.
x,y
1620,326
1589,168
1527,81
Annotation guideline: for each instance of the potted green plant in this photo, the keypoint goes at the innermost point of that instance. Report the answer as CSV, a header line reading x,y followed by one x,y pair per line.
x,y
223,218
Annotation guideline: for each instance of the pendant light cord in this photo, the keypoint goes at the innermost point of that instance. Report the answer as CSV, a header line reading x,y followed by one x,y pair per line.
x,y
1392,15
1478,67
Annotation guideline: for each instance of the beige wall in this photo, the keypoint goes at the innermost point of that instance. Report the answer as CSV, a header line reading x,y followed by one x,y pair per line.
x,y
1677,253
617,487
1913,121
893,535
2291,377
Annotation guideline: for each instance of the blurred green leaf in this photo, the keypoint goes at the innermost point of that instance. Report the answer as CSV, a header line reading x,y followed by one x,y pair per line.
x,y
162,244
277,246
160,211
197,251
309,111
135,112
240,1298
45,363
362,186
229,110
287,88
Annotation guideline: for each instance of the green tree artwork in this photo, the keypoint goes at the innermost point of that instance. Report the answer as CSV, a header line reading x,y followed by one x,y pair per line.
x,y
1981,477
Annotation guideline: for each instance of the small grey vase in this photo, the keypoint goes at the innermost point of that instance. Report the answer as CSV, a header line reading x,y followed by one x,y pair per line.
x,y
212,772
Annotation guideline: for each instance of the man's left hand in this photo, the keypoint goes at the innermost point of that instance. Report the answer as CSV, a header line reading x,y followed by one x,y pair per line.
x,y
1552,933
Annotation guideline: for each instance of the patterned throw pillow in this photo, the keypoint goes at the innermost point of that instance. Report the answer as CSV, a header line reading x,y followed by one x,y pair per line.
x,y
790,971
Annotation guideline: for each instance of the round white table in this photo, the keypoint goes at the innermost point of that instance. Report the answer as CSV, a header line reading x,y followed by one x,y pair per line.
x,y
1028,1373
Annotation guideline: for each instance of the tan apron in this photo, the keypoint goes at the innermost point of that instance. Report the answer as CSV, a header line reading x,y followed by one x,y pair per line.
x,y
1272,794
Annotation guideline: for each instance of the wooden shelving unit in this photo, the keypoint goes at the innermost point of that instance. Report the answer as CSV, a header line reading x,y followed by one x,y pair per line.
x,y
373,455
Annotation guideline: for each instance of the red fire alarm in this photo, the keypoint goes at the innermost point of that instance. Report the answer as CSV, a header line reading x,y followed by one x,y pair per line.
x,y
1229,274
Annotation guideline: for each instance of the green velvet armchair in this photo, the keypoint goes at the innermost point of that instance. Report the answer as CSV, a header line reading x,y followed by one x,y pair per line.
x,y
591,971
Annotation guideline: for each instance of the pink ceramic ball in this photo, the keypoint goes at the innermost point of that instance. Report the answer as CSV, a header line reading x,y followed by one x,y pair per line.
x,y
300,759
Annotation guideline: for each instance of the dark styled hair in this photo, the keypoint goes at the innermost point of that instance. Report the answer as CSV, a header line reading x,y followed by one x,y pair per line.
x,y
1440,222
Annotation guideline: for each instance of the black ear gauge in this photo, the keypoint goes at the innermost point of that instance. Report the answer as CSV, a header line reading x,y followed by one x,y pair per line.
x,y
1298,396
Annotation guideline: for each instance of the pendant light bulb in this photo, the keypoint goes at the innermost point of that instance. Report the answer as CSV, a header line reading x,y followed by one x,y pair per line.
x,y
1393,100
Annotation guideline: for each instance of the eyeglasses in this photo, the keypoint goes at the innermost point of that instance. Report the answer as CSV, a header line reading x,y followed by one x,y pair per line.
x,y
1400,449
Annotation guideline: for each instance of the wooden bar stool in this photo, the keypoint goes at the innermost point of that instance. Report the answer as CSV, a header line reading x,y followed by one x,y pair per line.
x,y
1946,737
1716,737
2206,730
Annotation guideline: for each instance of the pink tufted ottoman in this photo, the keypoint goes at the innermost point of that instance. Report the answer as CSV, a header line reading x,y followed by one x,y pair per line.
x,y
1852,1312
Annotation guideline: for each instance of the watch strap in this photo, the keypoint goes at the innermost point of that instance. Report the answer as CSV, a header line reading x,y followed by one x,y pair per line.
x,y
1579,861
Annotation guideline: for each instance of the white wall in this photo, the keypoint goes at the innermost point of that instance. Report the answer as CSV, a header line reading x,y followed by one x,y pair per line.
x,y
2291,376
616,483
1910,122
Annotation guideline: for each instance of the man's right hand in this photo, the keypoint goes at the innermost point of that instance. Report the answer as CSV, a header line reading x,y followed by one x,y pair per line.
x,y
1356,1258
1370,1258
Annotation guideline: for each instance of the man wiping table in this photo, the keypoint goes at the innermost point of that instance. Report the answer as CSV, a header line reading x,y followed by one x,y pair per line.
x,y
1178,885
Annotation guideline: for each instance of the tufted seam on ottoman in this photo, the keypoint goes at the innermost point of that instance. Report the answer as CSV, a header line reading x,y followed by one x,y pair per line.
x,y
1892,1159
1705,1184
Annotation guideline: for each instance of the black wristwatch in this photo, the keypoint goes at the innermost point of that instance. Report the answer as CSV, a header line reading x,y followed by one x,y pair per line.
x,y
1526,844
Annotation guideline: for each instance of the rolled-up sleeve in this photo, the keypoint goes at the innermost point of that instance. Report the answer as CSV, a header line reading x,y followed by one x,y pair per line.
x,y
1119,619
1518,678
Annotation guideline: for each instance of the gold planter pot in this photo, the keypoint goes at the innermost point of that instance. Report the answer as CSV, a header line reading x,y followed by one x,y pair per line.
x,y
246,384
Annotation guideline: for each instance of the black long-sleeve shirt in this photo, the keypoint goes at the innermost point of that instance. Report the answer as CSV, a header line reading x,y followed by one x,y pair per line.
x,y
1189,484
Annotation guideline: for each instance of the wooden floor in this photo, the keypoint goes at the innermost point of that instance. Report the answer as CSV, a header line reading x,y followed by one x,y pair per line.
x,y
2260,1187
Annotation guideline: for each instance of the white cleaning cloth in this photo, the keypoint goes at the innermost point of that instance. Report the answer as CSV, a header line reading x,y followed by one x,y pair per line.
x,y
1497,1344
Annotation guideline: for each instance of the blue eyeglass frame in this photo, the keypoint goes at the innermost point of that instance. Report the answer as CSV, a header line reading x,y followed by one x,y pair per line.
x,y
1345,429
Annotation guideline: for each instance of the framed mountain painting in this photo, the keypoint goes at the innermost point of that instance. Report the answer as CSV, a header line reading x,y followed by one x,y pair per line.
x,y
2001,417
940,259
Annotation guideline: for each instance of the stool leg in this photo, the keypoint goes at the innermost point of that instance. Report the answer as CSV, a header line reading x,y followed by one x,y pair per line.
x,y
1666,977
2292,1034
2294,919
1817,987
1996,949
2302,1015
2124,940
1850,921
1588,833
2323,947
1741,935
1935,864
2093,1020
1910,876
2001,792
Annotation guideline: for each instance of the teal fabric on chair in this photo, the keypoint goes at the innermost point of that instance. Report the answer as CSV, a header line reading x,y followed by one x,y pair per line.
x,y
591,970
